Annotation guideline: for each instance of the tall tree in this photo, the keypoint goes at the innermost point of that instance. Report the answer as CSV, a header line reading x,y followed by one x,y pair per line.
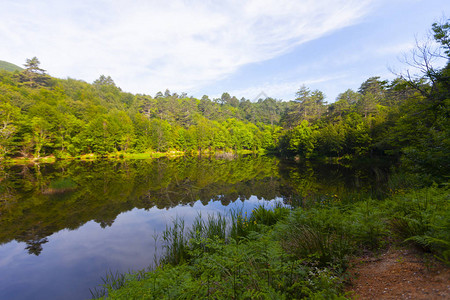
x,y
32,66
33,76
307,106
7,127
441,34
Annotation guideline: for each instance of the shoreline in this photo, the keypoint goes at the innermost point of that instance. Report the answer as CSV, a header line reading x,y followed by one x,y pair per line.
x,y
128,156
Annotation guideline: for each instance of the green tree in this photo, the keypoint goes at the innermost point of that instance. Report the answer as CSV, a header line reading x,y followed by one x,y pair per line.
x,y
225,98
96,136
307,106
240,135
8,128
424,120
221,136
301,139
204,134
41,135
344,102
33,76
374,86
358,140
330,139
367,104
441,34
162,137
143,132
122,130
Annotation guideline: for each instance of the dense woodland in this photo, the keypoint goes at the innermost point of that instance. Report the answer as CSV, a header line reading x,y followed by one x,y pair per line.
x,y
41,115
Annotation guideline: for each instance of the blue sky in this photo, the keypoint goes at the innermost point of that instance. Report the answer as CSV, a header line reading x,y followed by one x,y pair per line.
x,y
209,47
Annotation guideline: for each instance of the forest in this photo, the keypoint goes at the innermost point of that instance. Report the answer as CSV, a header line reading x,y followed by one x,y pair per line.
x,y
407,117
301,247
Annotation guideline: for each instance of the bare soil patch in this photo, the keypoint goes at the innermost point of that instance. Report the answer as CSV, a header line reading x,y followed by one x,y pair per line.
x,y
399,274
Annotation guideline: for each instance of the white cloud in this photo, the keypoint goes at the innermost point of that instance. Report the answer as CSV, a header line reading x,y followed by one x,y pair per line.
x,y
147,46
283,90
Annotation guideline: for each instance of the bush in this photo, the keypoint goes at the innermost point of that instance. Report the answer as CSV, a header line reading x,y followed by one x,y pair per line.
x,y
319,236
268,217
368,224
304,255
423,218
254,268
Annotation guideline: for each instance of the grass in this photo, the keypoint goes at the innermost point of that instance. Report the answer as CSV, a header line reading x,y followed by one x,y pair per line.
x,y
146,155
124,156
276,253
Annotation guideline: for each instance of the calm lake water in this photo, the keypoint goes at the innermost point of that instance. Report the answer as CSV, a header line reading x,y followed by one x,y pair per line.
x,y
64,225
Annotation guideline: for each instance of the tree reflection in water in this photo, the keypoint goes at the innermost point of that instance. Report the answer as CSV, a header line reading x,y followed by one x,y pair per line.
x,y
37,201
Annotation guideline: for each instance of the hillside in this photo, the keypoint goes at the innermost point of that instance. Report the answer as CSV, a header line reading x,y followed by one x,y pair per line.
x,y
4,65
64,118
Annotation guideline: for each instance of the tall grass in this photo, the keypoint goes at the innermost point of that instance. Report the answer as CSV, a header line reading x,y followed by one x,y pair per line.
x,y
327,234
178,241
319,236
266,216
282,254
112,281
174,243
242,223
251,268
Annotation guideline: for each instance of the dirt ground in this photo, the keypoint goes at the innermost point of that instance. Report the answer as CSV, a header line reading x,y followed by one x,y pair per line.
x,y
399,274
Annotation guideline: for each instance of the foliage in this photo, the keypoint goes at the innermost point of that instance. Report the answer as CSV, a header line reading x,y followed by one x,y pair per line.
x,y
302,256
249,267
268,217
69,193
328,234
269,253
65,117
317,235
405,118
423,219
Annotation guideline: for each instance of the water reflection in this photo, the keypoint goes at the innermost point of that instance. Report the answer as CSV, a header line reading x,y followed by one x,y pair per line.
x,y
79,219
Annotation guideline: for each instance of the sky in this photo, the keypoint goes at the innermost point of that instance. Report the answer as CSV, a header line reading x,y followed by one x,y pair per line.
x,y
207,47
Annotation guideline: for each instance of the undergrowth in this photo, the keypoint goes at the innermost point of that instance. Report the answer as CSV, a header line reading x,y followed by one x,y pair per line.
x,y
286,254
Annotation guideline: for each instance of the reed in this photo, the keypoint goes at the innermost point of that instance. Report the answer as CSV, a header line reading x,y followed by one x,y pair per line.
x,y
175,243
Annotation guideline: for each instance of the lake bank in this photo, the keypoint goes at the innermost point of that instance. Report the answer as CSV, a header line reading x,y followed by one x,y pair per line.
x,y
307,253
65,224
128,155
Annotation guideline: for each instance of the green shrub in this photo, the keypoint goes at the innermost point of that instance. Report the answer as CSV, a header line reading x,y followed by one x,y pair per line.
x,y
268,217
241,225
304,255
317,235
252,268
368,224
423,218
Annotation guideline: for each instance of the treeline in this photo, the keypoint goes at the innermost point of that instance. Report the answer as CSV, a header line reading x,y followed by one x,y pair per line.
x,y
41,115
406,117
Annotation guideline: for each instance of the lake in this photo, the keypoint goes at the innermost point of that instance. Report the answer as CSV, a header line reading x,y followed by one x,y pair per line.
x,y
63,226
